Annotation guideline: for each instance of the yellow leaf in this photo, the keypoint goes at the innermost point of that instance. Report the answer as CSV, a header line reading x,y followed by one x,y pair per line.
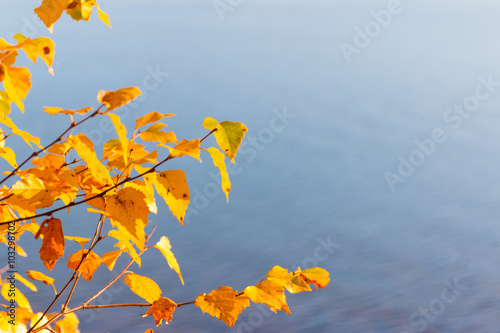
x,y
23,134
219,162
53,242
165,248
19,298
103,16
42,47
173,187
50,11
162,308
148,192
37,276
88,266
129,213
56,110
122,134
228,135
117,98
270,293
4,100
69,324
292,283
154,133
315,275
24,281
185,147
85,149
8,154
124,243
110,258
17,83
223,304
143,287
150,118
79,240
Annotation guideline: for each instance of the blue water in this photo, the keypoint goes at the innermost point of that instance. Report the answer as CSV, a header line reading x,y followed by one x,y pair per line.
x,y
310,189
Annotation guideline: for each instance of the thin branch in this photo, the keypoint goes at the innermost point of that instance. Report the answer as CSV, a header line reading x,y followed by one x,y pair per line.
x,y
34,154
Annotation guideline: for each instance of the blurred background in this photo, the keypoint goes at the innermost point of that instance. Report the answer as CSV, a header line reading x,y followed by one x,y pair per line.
x,y
372,152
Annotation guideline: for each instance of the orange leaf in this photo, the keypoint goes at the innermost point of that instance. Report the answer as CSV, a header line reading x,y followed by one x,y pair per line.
x,y
56,110
315,275
79,240
53,242
143,287
50,11
17,83
24,281
37,276
122,134
270,293
154,133
128,212
110,258
292,283
42,47
69,324
20,299
150,118
88,266
223,304
185,147
165,248
117,98
162,308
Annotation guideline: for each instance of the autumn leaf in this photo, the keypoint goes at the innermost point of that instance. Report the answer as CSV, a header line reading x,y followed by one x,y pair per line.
x,y
173,187
165,248
4,98
110,258
117,98
154,133
150,118
37,276
24,281
85,149
56,110
122,135
79,240
219,162
8,154
50,11
143,287
88,266
21,300
228,135
291,282
185,147
17,83
315,275
53,242
42,47
148,191
270,293
69,324
27,137
223,304
129,213
162,308
124,243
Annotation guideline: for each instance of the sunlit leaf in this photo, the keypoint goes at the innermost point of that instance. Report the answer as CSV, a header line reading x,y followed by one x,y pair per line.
x,y
228,135
52,243
117,98
150,118
166,249
154,133
56,110
42,47
8,154
122,135
129,213
270,293
80,240
50,11
223,304
219,162
143,287
291,282
315,275
124,243
37,276
185,147
27,137
24,281
69,324
20,299
110,258
17,83
88,266
162,308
